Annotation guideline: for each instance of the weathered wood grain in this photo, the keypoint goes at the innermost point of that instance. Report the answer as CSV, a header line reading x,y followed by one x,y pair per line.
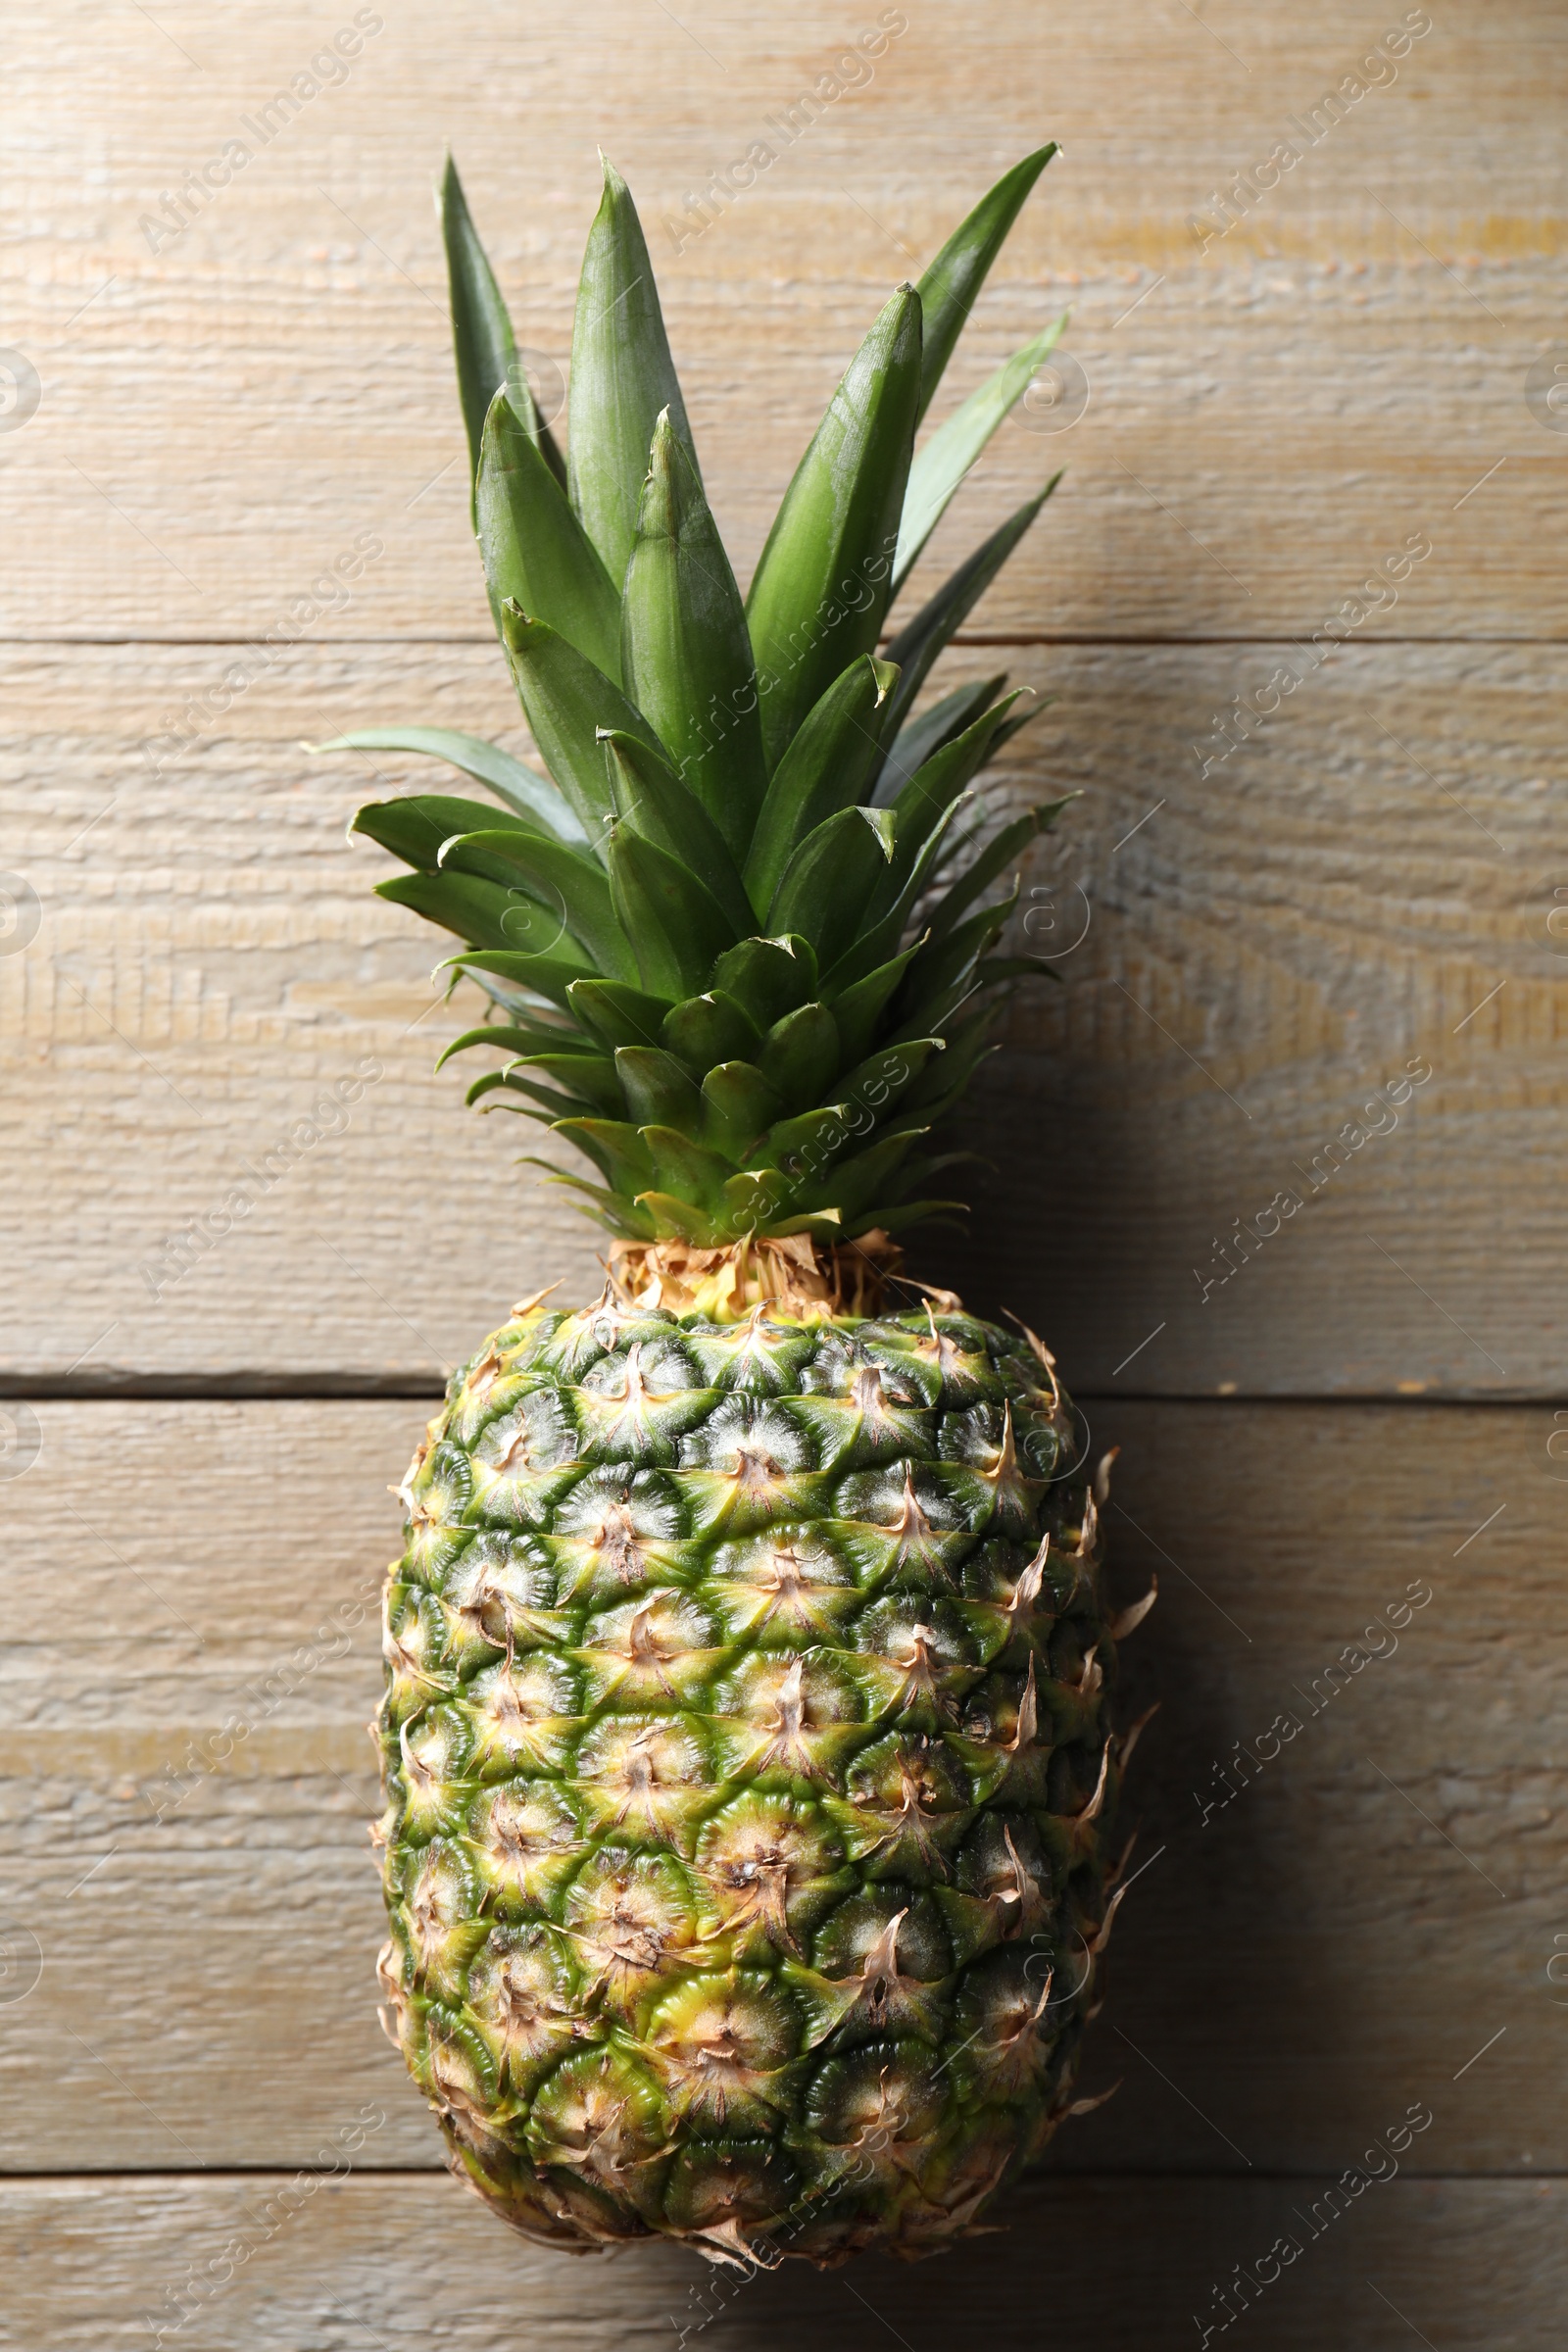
x,y
186,1783
274,2265
1371,1918
226,409
1368,879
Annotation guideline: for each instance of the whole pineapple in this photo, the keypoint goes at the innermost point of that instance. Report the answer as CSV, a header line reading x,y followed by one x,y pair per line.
x,y
749,1771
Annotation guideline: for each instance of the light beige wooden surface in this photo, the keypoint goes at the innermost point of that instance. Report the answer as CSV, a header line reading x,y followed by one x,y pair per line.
x,y
1261,950
1340,1937
1337,371
1373,876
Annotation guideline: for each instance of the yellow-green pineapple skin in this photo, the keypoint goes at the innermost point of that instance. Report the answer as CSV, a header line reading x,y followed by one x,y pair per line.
x,y
750,1776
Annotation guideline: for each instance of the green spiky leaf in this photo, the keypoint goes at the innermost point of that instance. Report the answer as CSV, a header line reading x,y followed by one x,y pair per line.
x,y
686,655
677,925
651,800
953,449
952,285
822,583
826,768
920,640
535,551
739,935
621,377
568,704
482,340
517,787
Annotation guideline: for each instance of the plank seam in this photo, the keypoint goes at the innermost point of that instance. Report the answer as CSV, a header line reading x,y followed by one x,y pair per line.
x,y
307,1388
1016,638
441,2172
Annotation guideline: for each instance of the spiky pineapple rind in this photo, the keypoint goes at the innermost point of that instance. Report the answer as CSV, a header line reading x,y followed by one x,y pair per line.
x,y
748,1775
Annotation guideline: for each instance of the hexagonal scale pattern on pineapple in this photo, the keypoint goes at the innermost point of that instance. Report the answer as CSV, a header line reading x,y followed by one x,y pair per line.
x,y
750,1774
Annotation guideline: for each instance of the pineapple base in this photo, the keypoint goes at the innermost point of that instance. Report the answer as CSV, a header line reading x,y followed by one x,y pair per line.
x,y
796,1278
750,1773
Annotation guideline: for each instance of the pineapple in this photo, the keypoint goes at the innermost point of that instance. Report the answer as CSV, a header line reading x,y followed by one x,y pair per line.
x,y
749,1778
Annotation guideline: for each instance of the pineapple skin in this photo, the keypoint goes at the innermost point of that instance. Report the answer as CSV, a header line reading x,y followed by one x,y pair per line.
x,y
749,1773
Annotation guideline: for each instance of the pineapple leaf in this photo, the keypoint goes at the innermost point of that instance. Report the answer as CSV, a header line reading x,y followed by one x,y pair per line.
x,y
851,1184
553,1104
546,975
920,737
568,882
792,1142
484,913
703,1031
802,1055
768,977
898,1215
821,587
929,795
591,1077
621,377
568,701
740,1105
617,1149
675,1219
952,285
1024,718
535,551
881,932
826,768
941,1087
653,801
993,859
615,1213
674,922
509,1037
414,829
482,340
686,655
920,640
954,447
618,1015
885,1075
833,875
754,1195
858,1008
943,963
659,1091
699,1175
525,792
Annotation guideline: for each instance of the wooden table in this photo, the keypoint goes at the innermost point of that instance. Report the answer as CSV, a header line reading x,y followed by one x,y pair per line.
x,y
1271,900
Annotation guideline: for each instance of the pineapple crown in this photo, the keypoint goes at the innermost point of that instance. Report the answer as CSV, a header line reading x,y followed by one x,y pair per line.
x,y
737,942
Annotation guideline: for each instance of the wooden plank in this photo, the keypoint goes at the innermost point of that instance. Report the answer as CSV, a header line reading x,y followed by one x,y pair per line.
x,y
1285,402
271,2264
1367,1920
1354,887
